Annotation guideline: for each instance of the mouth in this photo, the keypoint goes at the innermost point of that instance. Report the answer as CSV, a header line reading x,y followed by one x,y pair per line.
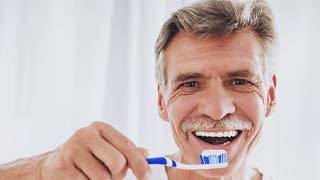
x,y
218,138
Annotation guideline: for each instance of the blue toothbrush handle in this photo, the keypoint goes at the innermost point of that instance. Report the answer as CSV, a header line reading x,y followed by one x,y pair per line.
x,y
161,161
165,161
157,160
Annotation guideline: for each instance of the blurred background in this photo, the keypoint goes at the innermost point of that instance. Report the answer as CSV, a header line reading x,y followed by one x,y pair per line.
x,y
66,63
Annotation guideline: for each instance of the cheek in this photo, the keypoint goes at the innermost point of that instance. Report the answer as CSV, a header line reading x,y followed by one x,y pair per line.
x,y
252,106
178,110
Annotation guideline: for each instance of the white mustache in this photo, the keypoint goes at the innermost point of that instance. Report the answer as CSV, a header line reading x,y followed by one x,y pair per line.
x,y
229,122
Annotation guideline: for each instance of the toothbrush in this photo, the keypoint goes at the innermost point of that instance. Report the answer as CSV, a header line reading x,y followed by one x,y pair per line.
x,y
210,159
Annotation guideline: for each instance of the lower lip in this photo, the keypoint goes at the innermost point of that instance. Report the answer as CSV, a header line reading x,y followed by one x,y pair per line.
x,y
228,147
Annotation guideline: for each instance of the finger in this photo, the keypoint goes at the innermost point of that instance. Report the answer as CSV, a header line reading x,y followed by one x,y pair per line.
x,y
75,173
135,159
91,166
143,151
111,157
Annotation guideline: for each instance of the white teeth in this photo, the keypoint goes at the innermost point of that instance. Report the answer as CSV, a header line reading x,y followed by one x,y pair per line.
x,y
231,133
220,134
234,133
226,134
207,134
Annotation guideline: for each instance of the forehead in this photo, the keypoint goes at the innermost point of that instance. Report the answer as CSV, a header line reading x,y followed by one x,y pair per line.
x,y
188,53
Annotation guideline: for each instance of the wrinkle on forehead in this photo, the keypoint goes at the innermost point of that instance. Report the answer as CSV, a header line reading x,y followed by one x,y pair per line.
x,y
212,57
245,42
186,52
201,51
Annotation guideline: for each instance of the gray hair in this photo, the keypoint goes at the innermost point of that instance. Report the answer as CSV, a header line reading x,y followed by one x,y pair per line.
x,y
229,122
218,18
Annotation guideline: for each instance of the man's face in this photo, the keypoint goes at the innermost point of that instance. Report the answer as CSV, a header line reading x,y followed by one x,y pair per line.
x,y
210,81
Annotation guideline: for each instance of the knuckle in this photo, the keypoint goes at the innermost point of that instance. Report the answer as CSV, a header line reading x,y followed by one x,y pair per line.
x,y
118,165
97,124
82,133
101,126
60,166
69,151
120,175
55,163
127,144
84,136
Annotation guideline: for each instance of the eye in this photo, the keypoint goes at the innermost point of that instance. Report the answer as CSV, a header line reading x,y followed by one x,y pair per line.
x,y
190,84
241,82
241,85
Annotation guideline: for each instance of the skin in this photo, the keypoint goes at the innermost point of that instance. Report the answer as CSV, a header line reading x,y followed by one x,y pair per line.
x,y
214,78
101,152
97,152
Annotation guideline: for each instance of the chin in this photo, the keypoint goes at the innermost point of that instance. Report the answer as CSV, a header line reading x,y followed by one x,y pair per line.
x,y
236,150
223,172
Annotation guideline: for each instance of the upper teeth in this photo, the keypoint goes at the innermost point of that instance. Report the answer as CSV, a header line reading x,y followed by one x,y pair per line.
x,y
231,133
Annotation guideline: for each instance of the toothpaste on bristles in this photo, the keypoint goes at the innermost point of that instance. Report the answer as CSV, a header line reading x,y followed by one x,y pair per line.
x,y
214,157
210,159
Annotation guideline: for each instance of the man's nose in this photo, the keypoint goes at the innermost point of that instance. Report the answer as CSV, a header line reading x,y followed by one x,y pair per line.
x,y
216,103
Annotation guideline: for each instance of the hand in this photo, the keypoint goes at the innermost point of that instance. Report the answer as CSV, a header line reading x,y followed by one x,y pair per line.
x,y
96,152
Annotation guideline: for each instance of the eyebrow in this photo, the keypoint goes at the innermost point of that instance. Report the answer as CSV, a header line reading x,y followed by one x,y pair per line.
x,y
242,73
246,73
186,76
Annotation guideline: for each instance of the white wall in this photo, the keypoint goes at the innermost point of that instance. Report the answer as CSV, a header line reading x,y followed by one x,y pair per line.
x,y
64,64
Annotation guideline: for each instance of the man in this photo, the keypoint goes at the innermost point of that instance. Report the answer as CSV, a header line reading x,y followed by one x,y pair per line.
x,y
215,88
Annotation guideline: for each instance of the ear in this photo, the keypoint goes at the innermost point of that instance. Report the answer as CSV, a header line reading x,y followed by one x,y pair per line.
x,y
162,109
271,98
